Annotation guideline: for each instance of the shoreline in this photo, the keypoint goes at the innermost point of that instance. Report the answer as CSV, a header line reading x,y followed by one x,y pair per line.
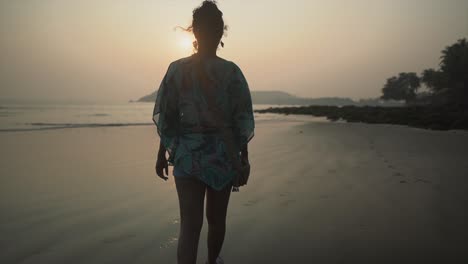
x,y
58,126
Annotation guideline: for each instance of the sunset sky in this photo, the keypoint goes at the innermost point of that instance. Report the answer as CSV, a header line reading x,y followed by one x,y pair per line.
x,y
117,50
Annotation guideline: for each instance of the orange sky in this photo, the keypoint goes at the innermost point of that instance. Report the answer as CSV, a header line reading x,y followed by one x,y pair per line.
x,y
116,50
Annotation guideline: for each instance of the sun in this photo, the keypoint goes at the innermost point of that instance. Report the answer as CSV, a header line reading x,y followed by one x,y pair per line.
x,y
185,42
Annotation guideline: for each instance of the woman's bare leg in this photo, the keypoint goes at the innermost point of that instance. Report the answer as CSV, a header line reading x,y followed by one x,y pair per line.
x,y
216,211
191,194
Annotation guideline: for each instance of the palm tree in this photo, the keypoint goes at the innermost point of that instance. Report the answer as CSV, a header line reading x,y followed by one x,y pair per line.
x,y
454,64
454,60
436,81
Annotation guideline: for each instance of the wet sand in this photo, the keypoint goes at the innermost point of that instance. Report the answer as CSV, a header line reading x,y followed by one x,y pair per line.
x,y
319,193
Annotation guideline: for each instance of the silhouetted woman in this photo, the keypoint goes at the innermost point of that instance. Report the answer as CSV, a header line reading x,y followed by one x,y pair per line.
x,y
199,97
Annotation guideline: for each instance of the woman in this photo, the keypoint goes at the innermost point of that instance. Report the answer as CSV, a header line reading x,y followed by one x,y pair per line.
x,y
203,112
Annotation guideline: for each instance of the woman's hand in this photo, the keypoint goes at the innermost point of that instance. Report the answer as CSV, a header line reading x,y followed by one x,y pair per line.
x,y
244,156
161,165
242,170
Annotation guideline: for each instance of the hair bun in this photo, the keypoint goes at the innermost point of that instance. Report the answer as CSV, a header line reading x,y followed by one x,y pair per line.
x,y
209,7
208,23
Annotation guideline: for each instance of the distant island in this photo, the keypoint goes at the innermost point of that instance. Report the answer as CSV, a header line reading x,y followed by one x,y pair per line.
x,y
283,98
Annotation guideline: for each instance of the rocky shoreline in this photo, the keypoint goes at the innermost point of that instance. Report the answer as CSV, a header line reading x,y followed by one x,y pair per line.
x,y
427,117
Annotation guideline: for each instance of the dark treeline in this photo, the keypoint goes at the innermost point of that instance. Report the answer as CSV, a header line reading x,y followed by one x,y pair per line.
x,y
445,85
443,117
443,106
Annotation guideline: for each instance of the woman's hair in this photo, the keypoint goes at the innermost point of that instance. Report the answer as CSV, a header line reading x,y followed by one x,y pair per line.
x,y
207,25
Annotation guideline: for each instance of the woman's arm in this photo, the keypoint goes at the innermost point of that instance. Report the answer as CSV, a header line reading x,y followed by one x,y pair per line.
x,y
243,118
162,150
244,152
165,117
161,162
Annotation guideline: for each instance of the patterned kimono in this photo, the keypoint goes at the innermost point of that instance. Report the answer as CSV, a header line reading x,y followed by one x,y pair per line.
x,y
195,99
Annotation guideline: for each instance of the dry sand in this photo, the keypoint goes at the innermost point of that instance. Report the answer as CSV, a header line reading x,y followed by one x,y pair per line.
x,y
319,193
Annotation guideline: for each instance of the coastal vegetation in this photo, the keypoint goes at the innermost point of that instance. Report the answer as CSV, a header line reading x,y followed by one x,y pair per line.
x,y
445,85
438,99
442,117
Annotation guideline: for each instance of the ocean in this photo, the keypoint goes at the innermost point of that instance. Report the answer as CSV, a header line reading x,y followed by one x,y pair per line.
x,y
40,116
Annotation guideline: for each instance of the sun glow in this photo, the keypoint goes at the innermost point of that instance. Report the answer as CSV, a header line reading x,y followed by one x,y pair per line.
x,y
185,42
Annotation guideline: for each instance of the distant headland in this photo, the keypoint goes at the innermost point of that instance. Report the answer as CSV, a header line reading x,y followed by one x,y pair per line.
x,y
283,98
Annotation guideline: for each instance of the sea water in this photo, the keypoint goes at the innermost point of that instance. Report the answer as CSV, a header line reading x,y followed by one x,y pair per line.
x,y
38,116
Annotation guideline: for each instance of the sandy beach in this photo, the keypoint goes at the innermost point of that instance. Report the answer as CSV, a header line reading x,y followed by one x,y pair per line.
x,y
319,193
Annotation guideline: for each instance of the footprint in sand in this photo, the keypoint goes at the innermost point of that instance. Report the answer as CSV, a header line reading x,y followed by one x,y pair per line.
x,y
363,227
287,202
291,181
251,203
323,196
36,252
422,180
